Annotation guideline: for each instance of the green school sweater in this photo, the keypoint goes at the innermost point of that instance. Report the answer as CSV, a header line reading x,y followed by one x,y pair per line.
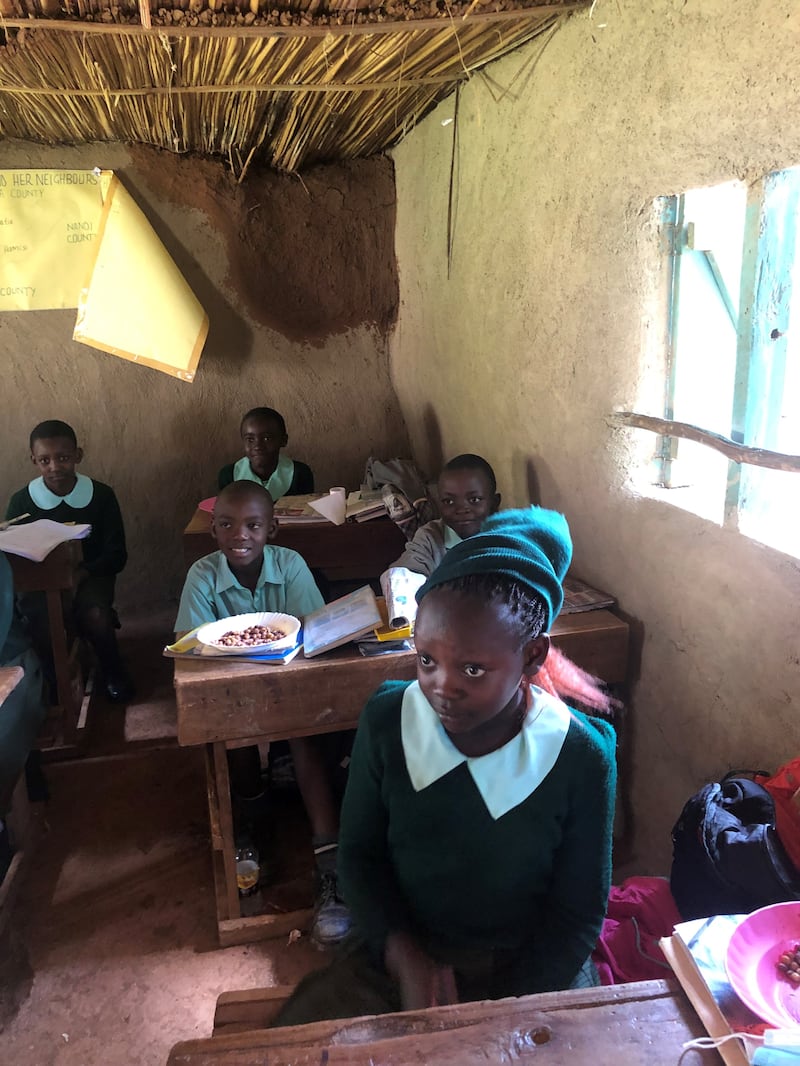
x,y
436,864
104,550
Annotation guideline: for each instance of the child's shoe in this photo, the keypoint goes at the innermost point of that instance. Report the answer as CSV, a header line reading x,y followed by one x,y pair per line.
x,y
119,687
332,921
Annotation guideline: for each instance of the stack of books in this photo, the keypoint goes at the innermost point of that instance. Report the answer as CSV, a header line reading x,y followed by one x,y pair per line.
x,y
363,504
297,510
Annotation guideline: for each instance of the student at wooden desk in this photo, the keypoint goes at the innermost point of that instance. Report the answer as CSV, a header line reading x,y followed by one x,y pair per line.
x,y
63,495
263,433
467,490
475,849
247,575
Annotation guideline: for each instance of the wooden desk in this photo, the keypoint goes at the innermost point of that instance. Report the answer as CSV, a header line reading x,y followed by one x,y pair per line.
x,y
223,703
355,551
642,1024
52,576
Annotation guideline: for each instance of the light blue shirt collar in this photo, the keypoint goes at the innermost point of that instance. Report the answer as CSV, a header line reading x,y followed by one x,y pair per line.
x,y
504,778
451,538
80,496
226,579
279,481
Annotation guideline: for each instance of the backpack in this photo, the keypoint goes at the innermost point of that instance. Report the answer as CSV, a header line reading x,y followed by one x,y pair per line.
x,y
726,855
403,490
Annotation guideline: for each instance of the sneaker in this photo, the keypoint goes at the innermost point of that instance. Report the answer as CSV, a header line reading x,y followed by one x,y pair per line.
x,y
119,687
331,922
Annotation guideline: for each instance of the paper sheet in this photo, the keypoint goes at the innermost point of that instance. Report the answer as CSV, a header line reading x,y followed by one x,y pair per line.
x,y
332,507
136,303
36,540
49,223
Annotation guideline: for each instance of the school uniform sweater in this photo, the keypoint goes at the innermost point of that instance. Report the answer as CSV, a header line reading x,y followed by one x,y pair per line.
x,y
104,551
429,857
428,547
300,483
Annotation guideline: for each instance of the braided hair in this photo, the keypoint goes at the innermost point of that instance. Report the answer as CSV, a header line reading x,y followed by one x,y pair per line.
x,y
558,675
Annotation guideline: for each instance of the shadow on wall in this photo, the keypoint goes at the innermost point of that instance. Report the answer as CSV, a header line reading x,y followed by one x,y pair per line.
x,y
434,448
528,473
230,339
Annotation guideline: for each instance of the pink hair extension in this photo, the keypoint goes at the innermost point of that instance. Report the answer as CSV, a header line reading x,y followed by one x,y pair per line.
x,y
561,677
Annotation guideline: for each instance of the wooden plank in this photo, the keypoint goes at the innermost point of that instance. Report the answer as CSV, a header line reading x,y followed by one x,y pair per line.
x,y
52,576
86,699
250,1008
58,643
213,801
346,28
221,700
302,698
262,926
10,677
641,1025
56,571
227,842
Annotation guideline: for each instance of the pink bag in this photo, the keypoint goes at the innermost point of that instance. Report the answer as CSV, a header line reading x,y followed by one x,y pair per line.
x,y
640,911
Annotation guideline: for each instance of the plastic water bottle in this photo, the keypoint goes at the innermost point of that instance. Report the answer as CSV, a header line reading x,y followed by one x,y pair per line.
x,y
248,869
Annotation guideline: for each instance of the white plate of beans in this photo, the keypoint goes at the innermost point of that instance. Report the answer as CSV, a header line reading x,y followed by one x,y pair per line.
x,y
250,634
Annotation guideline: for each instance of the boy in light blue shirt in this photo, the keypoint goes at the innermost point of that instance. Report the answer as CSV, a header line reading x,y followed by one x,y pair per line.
x,y
247,574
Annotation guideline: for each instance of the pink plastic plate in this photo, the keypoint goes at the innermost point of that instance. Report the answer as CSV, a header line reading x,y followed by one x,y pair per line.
x,y
751,962
208,505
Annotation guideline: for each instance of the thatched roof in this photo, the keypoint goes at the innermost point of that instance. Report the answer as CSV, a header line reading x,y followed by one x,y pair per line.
x,y
293,81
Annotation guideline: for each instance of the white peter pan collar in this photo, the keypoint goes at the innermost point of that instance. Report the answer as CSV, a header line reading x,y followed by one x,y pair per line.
x,y
80,496
504,778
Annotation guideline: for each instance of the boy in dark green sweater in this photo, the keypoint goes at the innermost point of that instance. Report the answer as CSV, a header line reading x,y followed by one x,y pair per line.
x,y
63,495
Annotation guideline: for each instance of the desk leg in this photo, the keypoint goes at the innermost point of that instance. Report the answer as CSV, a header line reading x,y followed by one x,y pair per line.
x,y
58,643
232,928
222,835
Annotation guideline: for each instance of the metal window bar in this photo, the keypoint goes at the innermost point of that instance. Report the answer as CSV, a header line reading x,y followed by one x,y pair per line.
x,y
672,228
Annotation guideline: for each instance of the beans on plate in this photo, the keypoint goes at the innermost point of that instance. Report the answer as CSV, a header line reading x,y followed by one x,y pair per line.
x,y
250,637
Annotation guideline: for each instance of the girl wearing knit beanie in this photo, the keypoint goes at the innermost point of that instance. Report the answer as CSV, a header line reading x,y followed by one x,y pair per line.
x,y
475,845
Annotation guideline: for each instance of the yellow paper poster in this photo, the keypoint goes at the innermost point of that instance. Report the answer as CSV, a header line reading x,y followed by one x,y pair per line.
x,y
136,303
48,228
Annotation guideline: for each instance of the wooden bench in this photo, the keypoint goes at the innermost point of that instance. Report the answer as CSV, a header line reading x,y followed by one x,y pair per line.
x,y
642,1024
249,1008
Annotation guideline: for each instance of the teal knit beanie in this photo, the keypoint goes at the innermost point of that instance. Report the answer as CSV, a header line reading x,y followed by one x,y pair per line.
x,y
531,546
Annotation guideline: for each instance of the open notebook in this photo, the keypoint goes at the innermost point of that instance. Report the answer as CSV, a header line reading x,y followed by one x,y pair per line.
x,y
36,540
